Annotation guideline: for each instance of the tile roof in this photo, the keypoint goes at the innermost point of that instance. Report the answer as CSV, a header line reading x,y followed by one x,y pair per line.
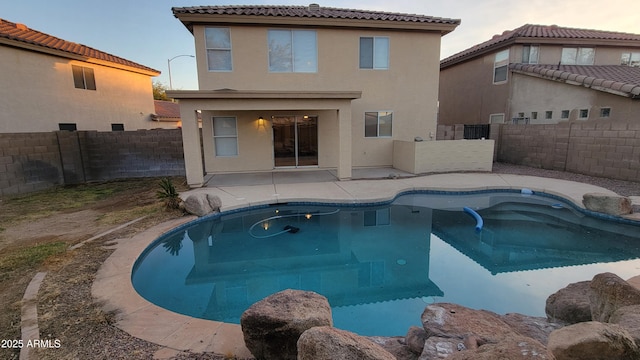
x,y
616,79
167,109
21,34
312,11
540,34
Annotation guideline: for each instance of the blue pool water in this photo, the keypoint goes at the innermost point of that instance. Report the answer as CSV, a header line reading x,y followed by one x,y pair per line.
x,y
380,265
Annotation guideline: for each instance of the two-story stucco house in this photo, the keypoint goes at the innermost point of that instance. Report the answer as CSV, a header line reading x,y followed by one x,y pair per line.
x,y
307,86
539,74
48,84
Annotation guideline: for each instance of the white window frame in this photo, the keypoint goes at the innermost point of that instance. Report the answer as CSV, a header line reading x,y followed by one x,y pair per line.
x,y
496,118
293,58
548,114
379,54
379,115
213,49
565,114
501,60
605,112
233,136
580,117
83,77
530,50
577,56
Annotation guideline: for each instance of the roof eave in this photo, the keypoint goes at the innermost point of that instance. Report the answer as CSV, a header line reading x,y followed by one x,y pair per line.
x,y
253,94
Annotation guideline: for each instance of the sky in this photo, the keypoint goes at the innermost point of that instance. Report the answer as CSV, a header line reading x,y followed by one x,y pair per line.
x,y
145,31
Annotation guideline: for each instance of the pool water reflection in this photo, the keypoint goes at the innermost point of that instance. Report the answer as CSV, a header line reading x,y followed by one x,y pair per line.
x,y
379,266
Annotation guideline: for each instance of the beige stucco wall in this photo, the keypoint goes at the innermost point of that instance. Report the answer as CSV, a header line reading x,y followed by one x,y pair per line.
x,y
408,87
38,92
443,156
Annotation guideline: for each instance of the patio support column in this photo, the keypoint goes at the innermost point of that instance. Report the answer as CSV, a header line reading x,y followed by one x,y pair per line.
x,y
191,146
344,142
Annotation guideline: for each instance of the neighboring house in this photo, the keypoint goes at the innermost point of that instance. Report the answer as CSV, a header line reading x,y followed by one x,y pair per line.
x,y
167,114
49,84
307,86
539,74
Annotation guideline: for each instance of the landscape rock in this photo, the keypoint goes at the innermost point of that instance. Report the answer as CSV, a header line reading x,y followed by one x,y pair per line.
x,y
396,346
609,293
537,328
510,348
629,318
415,339
607,204
438,347
571,304
271,327
455,321
592,340
201,204
328,343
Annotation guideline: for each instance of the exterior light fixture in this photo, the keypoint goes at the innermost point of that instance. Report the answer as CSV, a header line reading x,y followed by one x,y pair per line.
x,y
308,216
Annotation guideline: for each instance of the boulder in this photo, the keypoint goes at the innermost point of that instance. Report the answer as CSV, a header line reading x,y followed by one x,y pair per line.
x,y
592,340
609,293
201,204
439,347
537,328
396,346
570,305
629,318
271,327
608,204
510,348
415,339
455,321
328,343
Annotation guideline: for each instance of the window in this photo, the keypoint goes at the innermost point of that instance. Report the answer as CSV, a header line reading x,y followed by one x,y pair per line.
x,y
631,59
496,119
564,114
225,136
83,77
293,51
500,66
584,114
117,127
374,53
548,115
577,56
605,112
378,124
218,43
530,54
534,115
67,126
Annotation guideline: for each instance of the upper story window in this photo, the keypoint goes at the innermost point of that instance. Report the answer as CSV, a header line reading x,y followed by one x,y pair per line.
x,y
218,42
293,51
631,59
530,54
83,77
374,53
501,66
577,56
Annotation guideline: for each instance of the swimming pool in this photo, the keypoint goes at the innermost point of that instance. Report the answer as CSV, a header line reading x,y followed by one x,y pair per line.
x,y
381,264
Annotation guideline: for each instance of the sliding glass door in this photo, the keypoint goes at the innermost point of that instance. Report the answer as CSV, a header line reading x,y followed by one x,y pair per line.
x,y
295,141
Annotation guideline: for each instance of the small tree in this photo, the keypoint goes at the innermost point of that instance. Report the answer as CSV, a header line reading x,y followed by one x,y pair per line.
x,y
159,91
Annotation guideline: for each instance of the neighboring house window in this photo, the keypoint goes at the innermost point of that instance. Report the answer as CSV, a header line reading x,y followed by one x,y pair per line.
x,y
378,124
496,119
631,59
534,115
218,42
548,115
83,77
225,136
117,127
374,53
67,126
293,51
605,112
584,114
530,54
564,114
577,56
501,66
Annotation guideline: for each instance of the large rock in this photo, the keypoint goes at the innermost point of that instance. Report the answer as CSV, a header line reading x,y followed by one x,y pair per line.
x,y
455,321
510,348
396,346
415,339
328,343
609,293
608,204
592,341
629,318
201,204
272,326
537,328
570,305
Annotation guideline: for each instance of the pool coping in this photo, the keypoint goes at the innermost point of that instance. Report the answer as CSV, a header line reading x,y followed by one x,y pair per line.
x,y
112,286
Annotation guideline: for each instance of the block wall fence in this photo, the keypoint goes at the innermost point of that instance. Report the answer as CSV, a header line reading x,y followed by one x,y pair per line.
x,y
37,161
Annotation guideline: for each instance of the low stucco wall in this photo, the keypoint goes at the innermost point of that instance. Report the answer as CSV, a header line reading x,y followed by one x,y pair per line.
x,y
443,156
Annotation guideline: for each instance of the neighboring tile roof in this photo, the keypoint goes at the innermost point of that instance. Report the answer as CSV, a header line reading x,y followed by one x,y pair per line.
x,y
22,34
616,79
540,34
166,110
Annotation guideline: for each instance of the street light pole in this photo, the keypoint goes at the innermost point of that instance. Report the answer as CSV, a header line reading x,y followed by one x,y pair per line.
x,y
169,66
